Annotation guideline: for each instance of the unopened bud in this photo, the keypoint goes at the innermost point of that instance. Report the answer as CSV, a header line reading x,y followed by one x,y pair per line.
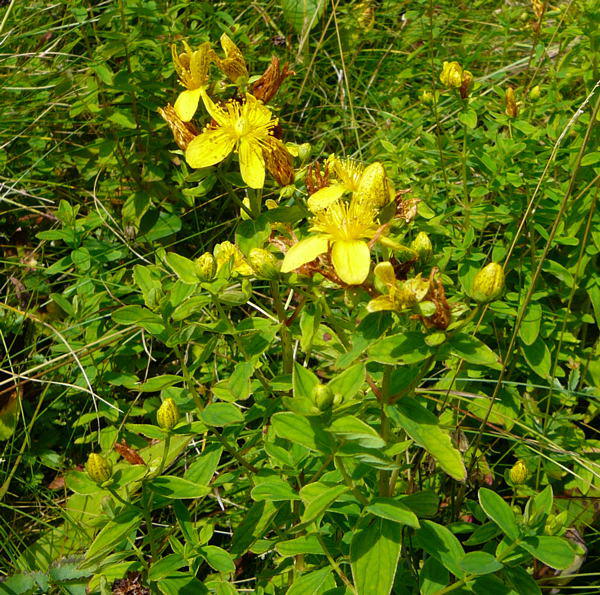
x,y
323,397
264,263
304,151
535,92
287,191
373,187
466,83
167,415
518,473
511,103
488,283
98,468
206,266
426,97
422,246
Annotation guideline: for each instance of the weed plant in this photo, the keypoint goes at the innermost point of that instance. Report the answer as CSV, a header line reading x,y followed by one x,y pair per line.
x,y
299,296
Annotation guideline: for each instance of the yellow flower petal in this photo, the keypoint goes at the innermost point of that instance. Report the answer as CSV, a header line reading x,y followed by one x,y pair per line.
x,y
383,302
351,260
304,251
215,112
187,104
252,163
325,196
209,148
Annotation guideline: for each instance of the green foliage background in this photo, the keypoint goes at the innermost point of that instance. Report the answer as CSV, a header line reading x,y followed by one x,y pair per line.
x,y
91,187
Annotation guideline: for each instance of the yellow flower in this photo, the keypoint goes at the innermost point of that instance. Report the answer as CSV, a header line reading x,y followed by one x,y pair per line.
x,y
370,183
192,69
233,65
343,227
227,253
401,295
452,74
242,127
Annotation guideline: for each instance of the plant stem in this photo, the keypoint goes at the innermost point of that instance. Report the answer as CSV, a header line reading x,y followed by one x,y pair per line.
x,y
286,336
339,463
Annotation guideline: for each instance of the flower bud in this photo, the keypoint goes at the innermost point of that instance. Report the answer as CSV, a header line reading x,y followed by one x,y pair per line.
x,y
466,83
518,473
373,187
511,110
98,468
426,97
535,92
264,263
488,283
287,191
304,151
167,415
451,74
422,246
323,397
206,266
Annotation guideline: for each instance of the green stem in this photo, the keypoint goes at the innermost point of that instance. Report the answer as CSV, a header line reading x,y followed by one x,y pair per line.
x,y
232,195
286,336
384,475
334,564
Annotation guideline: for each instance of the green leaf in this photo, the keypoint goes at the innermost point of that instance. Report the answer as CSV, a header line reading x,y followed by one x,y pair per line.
x,y
177,488
313,583
183,267
124,119
555,552
317,505
158,383
140,316
302,15
469,118
221,414
166,566
254,526
217,558
423,427
423,504
393,510
472,350
480,563
304,382
404,348
439,542
113,532
273,489
300,430
433,577
500,512
307,544
538,357
530,325
374,554
349,382
203,468
352,428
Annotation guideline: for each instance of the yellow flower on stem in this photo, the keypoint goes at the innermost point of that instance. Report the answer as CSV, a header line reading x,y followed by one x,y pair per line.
x,y
245,128
401,295
192,69
344,228
234,64
370,183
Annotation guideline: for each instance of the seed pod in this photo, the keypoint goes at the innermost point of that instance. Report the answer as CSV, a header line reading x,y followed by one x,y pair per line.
x,y
206,267
323,397
264,263
98,468
518,473
422,246
466,83
167,415
488,283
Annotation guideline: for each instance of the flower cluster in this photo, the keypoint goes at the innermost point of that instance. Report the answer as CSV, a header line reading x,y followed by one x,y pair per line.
x,y
242,125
